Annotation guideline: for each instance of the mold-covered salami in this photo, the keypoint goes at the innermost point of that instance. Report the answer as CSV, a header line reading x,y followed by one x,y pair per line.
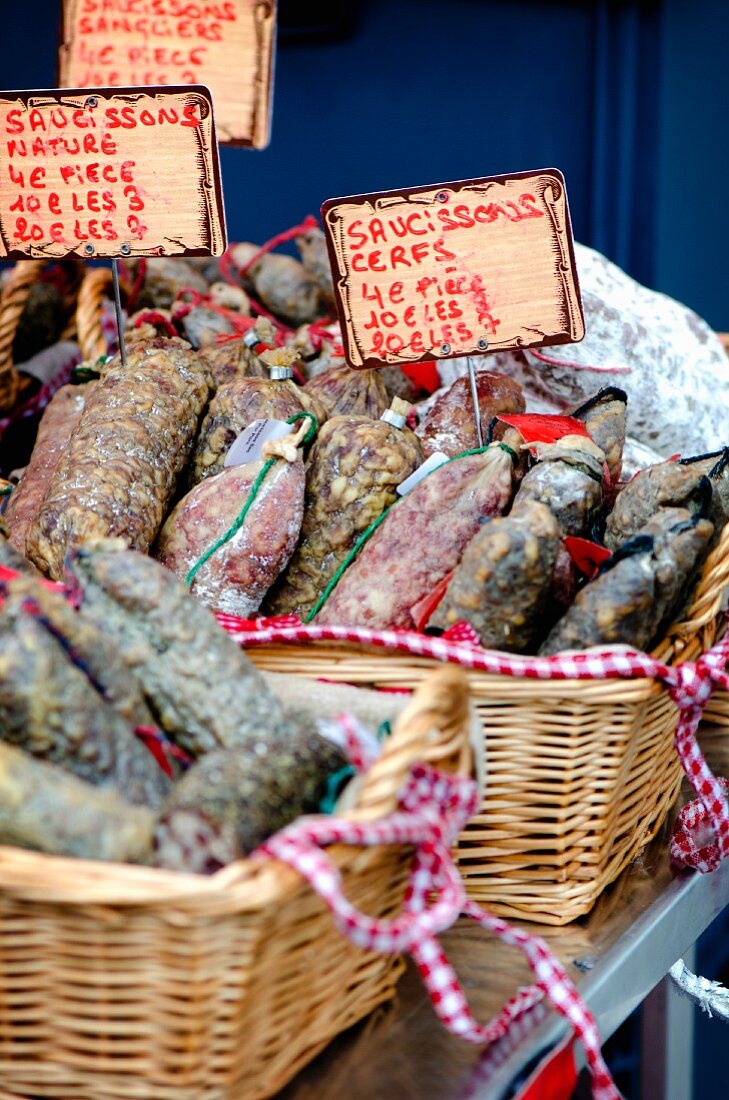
x,y
343,391
421,540
56,427
49,707
45,809
450,426
502,585
639,589
120,469
237,404
88,647
665,485
352,476
240,572
604,416
231,801
202,689
568,479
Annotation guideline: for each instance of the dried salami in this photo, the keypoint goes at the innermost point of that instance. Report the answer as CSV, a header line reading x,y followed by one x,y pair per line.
x,y
231,801
241,401
201,688
119,471
568,478
281,283
640,588
240,572
44,808
343,391
352,476
59,421
50,708
502,585
450,427
421,540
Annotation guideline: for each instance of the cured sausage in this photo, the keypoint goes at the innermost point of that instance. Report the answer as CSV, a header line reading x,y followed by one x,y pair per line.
x,y
352,475
163,636
639,589
241,401
238,358
49,707
421,540
231,801
502,585
59,421
343,391
119,471
283,285
450,425
44,808
568,479
240,572
665,485
604,416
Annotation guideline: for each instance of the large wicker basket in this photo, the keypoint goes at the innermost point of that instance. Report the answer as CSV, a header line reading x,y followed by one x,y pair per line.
x,y
129,983
580,774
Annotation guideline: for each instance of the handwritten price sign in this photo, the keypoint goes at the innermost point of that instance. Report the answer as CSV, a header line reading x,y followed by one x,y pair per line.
x,y
100,173
227,45
447,271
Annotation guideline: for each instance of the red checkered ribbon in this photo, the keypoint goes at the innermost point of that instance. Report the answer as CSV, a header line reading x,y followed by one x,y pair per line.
x,y
433,809
690,686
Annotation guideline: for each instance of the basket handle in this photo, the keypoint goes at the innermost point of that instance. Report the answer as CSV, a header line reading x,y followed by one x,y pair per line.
x,y
91,295
432,728
12,303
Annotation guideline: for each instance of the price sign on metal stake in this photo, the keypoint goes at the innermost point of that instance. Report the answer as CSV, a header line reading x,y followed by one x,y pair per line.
x,y
454,269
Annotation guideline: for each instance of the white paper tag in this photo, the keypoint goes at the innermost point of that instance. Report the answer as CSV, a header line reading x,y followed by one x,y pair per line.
x,y
431,463
249,444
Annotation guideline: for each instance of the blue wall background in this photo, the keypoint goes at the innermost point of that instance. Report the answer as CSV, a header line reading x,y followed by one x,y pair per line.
x,y
628,98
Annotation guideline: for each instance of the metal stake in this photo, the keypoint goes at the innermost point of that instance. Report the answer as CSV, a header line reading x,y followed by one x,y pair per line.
x,y
474,399
119,316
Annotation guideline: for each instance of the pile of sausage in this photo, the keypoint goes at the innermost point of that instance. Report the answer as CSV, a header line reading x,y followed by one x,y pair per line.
x,y
326,521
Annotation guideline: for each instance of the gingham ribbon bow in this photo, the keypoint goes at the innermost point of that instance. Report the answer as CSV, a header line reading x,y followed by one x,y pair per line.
x,y
434,807
690,686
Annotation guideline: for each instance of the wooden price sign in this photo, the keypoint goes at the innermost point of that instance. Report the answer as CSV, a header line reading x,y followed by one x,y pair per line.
x,y
227,45
454,270
129,172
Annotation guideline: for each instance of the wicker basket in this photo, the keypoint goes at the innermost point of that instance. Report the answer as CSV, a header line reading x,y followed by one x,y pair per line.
x,y
128,983
13,300
580,774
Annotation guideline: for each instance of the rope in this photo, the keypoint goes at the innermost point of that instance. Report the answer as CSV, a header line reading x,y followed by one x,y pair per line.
x,y
366,535
301,439
711,997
